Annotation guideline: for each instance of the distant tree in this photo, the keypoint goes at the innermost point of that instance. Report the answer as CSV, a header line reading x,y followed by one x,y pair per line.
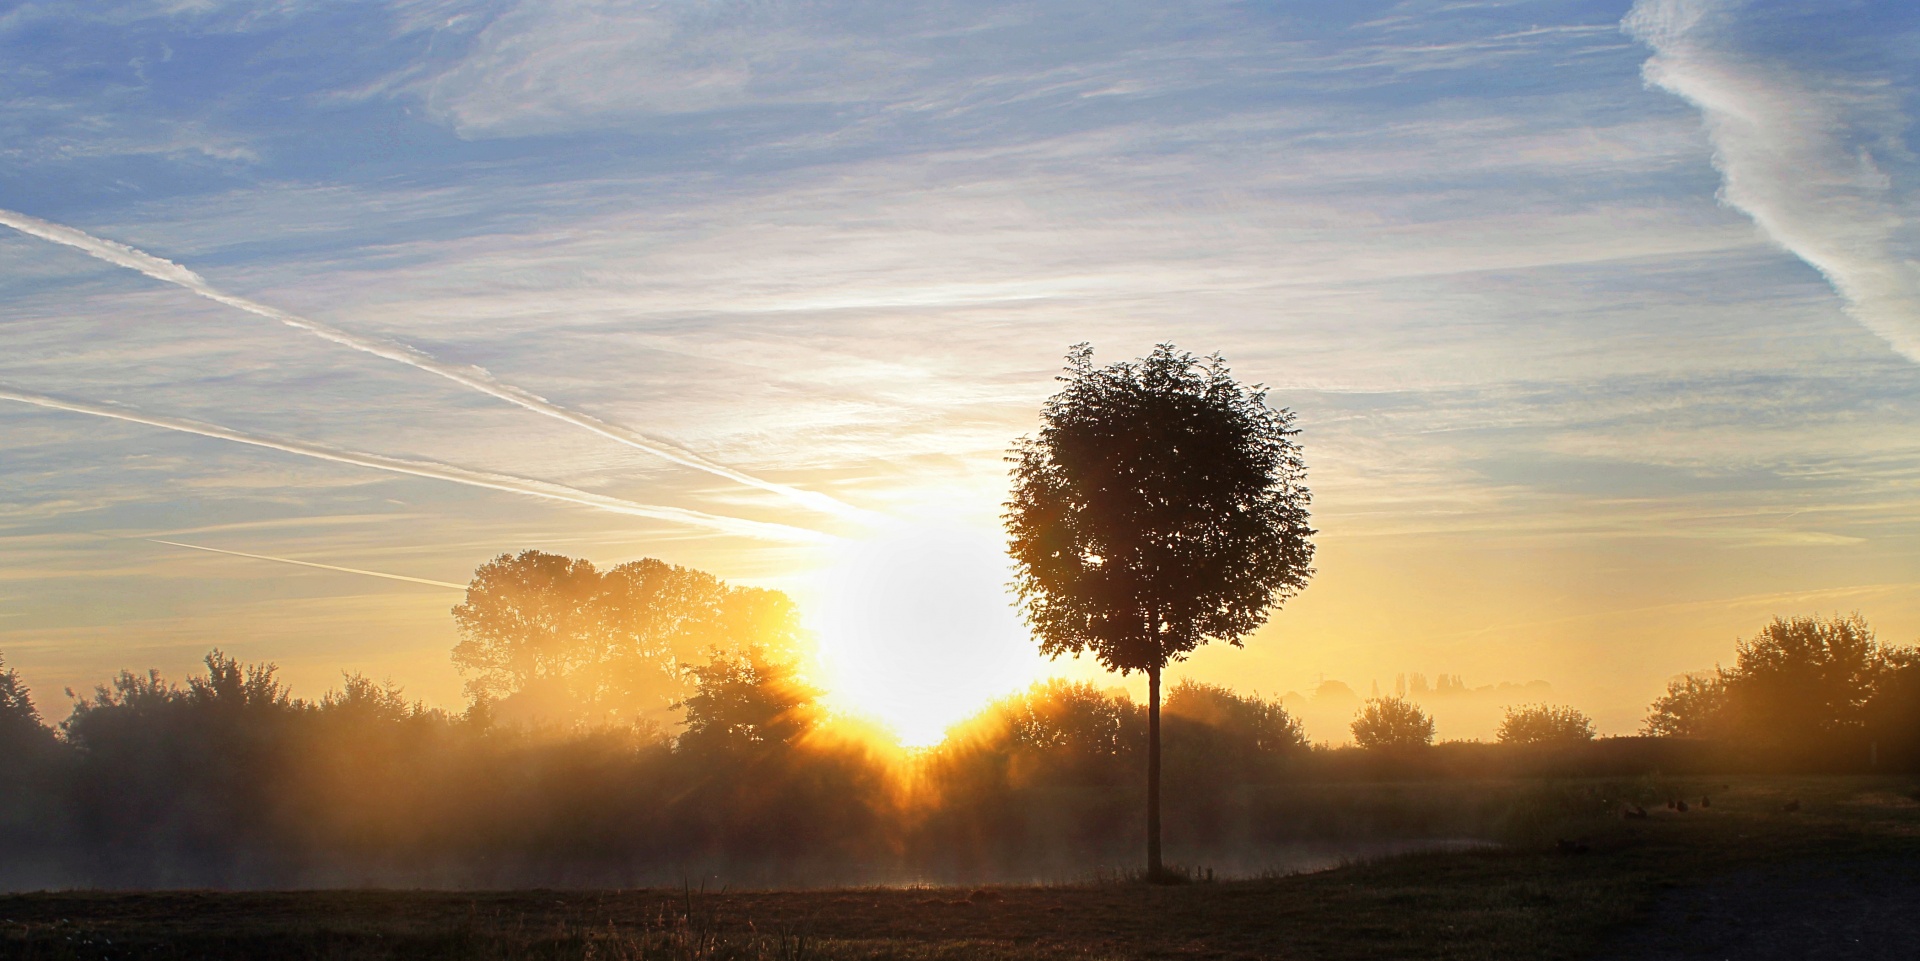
x,y
1804,676
366,700
1544,724
1054,733
1262,726
230,685
550,637
1072,727
747,700
1796,685
529,619
1072,733
27,745
32,808
661,618
19,719
1161,505
1332,690
1218,736
1695,705
1392,722
183,779
1893,716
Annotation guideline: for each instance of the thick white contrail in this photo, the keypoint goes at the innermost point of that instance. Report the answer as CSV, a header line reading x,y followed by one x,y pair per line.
x,y
433,469
323,567
1789,149
475,378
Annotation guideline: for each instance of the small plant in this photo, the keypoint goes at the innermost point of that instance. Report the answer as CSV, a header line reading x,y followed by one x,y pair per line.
x,y
1392,722
1545,724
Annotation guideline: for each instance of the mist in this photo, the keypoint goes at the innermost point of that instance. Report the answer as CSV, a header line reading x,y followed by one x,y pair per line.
x,y
650,724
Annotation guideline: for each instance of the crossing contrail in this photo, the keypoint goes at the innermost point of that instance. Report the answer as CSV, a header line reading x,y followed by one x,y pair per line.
x,y
166,271
432,469
323,567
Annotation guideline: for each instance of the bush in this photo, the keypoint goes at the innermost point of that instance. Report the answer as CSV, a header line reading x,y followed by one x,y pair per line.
x,y
1545,724
1392,722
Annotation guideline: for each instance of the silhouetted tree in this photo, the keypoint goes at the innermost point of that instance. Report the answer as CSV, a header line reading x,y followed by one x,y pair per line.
x,y
530,620
550,637
30,772
1162,504
19,719
1801,680
1544,724
181,784
1800,686
661,618
1893,716
363,700
1694,706
231,686
1392,722
1228,735
1068,731
747,700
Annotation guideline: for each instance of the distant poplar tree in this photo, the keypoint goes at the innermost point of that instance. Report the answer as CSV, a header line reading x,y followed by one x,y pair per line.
x,y
1161,505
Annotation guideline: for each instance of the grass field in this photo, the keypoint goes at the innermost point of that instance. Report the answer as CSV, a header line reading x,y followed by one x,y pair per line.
x,y
1743,877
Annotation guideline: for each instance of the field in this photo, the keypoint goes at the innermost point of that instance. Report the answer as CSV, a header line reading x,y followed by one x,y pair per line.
x,y
1741,877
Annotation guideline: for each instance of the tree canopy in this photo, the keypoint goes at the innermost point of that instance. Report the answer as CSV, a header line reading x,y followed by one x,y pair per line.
x,y
1161,505
550,637
1799,685
1392,722
1544,724
746,700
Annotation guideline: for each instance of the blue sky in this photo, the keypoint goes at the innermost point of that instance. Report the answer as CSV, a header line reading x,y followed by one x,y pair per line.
x,y
1601,319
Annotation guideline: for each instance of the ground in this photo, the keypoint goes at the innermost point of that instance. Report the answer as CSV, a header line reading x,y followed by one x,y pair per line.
x,y
1743,877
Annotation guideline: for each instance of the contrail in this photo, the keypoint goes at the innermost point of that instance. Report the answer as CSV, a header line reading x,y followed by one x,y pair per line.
x,y
324,567
121,255
433,469
1793,154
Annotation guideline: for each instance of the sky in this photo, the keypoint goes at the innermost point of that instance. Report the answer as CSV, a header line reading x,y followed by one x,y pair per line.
x,y
1601,320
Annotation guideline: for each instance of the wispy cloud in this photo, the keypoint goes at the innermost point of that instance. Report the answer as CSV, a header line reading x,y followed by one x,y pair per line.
x,y
1797,154
1543,370
167,271
435,470
312,564
543,66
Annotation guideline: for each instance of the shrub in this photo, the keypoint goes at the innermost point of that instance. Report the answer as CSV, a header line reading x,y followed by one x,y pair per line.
x,y
1545,724
1392,722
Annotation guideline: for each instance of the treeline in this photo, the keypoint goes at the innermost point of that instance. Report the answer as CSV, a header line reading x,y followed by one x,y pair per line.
x,y
229,781
652,724
1805,693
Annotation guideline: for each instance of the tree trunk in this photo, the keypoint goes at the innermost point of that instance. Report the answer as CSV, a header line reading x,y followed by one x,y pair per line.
x,y
1156,872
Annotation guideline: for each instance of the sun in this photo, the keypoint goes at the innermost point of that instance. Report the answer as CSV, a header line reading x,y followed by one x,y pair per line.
x,y
918,630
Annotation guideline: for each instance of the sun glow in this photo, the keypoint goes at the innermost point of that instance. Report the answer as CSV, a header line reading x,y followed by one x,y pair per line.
x,y
918,630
